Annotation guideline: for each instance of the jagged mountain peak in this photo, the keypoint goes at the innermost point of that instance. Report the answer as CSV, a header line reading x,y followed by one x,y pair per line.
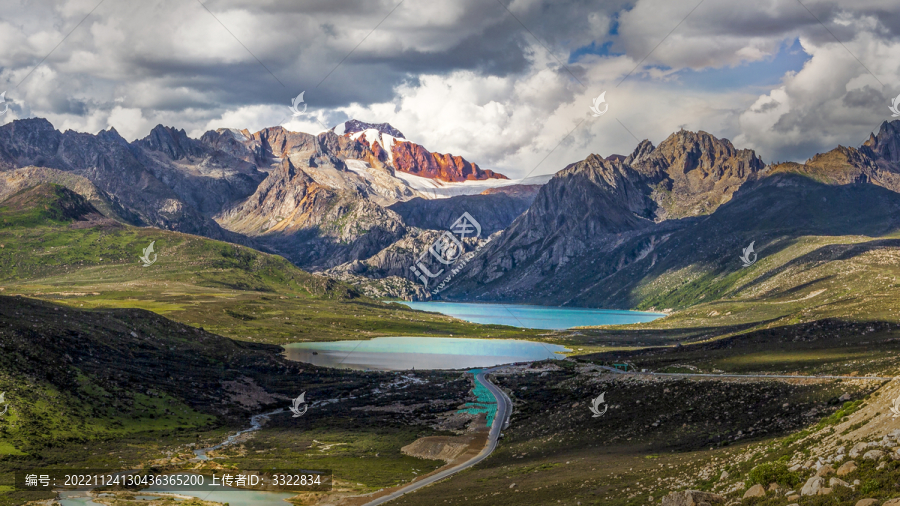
x,y
171,141
354,125
239,134
684,141
112,135
33,124
641,151
887,143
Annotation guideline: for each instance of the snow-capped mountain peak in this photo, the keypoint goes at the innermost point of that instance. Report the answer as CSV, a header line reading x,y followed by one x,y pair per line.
x,y
353,126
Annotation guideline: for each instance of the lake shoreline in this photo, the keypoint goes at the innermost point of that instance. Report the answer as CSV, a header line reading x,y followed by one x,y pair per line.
x,y
573,308
534,317
404,353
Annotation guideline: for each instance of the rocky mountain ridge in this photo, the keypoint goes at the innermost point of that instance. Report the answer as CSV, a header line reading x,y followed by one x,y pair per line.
x,y
342,203
320,200
602,227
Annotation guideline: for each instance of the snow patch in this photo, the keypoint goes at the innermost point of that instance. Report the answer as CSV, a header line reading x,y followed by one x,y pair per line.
x,y
436,189
386,141
237,134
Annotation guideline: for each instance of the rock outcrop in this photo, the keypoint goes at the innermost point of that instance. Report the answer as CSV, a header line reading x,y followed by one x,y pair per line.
x,y
414,159
692,498
755,491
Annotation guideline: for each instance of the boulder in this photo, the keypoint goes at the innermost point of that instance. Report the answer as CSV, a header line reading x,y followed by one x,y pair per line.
x,y
867,502
692,498
846,468
825,470
873,455
857,449
837,482
813,486
892,502
755,491
723,476
774,487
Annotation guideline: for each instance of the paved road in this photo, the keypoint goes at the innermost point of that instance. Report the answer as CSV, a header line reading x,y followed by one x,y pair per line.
x,y
504,408
763,376
501,421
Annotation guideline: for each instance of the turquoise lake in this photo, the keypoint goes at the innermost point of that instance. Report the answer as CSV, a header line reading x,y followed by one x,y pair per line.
x,y
403,353
534,317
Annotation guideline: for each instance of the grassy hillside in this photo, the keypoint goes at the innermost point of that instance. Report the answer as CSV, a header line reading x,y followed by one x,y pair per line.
x,y
55,246
119,388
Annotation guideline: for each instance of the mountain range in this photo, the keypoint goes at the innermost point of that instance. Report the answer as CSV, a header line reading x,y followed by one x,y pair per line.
x,y
362,203
627,232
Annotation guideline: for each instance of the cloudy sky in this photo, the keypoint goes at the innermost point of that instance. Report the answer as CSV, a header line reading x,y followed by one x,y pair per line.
x,y
505,83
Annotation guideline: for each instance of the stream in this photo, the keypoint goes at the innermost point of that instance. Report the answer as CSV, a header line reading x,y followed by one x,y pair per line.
x,y
255,424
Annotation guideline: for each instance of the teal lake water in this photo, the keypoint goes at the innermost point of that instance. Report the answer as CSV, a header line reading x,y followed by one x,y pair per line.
x,y
534,317
403,353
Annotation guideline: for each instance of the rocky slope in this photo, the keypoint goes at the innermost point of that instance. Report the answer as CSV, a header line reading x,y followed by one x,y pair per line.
x,y
164,180
877,161
494,211
320,200
311,208
14,181
525,191
327,202
691,174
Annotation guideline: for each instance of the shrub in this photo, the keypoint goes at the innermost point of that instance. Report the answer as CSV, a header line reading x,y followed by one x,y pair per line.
x,y
777,472
870,486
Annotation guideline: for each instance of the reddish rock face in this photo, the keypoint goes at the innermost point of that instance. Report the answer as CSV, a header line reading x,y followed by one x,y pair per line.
x,y
413,159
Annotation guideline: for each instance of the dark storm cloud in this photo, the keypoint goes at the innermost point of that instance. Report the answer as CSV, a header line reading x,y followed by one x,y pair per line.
x,y
865,98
